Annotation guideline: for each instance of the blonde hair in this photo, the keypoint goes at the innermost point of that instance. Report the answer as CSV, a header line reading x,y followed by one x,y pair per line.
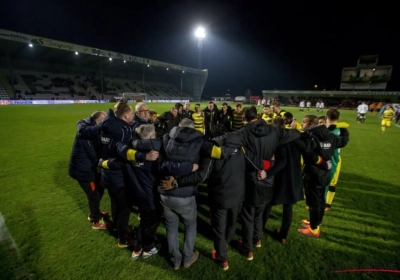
x,y
145,131
122,107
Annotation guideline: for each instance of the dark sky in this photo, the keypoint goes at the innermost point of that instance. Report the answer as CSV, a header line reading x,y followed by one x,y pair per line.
x,y
280,44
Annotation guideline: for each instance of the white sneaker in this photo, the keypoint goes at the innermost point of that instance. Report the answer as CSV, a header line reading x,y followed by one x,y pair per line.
x,y
152,252
136,254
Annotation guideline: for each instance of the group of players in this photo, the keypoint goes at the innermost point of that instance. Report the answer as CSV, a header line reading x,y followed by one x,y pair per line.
x,y
249,161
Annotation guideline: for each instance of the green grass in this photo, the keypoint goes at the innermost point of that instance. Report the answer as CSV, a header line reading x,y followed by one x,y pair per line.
x,y
45,211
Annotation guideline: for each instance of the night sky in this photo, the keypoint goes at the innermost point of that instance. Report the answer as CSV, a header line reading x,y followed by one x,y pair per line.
x,y
281,44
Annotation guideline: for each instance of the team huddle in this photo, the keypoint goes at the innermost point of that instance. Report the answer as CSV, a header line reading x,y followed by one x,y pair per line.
x,y
250,162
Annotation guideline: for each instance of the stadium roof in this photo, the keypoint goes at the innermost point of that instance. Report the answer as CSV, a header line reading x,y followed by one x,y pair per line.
x,y
30,47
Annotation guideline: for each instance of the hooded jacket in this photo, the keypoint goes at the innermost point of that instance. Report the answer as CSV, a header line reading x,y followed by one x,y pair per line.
x,y
85,153
260,140
113,131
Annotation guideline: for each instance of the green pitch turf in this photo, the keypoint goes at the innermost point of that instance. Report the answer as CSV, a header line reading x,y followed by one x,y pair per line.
x,y
45,211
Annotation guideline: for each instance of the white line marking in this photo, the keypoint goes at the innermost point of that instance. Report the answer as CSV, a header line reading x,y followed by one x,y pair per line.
x,y
6,236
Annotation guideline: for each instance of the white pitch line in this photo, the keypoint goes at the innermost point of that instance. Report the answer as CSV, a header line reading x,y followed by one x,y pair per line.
x,y
6,236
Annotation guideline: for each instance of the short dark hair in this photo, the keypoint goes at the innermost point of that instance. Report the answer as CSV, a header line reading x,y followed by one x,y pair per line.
x,y
250,113
96,115
288,115
152,112
321,118
312,119
178,105
333,114
197,104
223,104
210,102
278,122
218,130
238,105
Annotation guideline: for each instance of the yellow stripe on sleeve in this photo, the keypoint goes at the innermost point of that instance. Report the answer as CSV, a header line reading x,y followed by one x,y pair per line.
x,y
216,152
104,164
130,155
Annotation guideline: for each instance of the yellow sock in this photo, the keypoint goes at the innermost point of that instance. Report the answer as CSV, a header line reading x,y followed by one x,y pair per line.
x,y
314,231
383,128
329,197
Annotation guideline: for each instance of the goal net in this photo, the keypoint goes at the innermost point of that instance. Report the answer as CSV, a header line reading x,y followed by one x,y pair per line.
x,y
132,96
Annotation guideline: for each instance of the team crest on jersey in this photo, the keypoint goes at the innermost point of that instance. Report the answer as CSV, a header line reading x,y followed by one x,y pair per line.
x,y
105,140
325,145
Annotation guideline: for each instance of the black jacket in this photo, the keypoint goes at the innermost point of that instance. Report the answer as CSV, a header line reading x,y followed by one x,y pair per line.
x,y
211,118
288,176
137,121
113,131
186,114
85,153
226,179
182,144
261,140
168,121
143,175
225,119
325,144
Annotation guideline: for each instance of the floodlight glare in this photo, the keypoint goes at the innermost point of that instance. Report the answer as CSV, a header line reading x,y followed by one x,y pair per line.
x,y
124,61
30,45
110,59
200,33
183,71
76,53
167,68
148,65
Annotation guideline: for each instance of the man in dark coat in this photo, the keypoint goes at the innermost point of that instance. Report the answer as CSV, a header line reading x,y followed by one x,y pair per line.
x,y
169,120
262,140
288,181
211,118
85,156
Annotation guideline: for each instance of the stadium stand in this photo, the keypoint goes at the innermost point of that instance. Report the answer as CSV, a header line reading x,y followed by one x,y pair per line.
x,y
37,68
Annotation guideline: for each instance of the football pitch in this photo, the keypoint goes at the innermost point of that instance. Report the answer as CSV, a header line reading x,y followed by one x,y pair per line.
x,y
44,232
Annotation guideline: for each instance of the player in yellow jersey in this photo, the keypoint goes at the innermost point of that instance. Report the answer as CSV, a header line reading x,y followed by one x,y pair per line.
x,y
276,108
237,121
267,116
387,117
290,122
198,118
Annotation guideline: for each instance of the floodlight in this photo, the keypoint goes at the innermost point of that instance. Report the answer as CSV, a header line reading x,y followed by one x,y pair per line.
x,y
148,65
124,61
110,59
183,71
167,68
200,33
76,53
30,45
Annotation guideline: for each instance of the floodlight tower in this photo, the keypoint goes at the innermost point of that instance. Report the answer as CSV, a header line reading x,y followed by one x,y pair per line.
x,y
200,33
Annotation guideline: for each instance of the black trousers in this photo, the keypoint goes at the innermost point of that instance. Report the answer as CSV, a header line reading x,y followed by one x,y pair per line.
x,y
252,227
145,235
223,222
120,210
94,192
397,118
287,216
315,196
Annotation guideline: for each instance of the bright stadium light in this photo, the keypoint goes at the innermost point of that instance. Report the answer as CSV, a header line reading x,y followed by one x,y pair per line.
x,y
167,68
30,45
76,53
148,65
183,71
200,33
110,59
124,61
